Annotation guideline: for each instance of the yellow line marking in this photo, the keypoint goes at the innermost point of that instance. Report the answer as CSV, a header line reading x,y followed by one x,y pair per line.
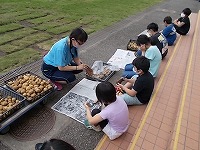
x,y
185,87
101,143
153,97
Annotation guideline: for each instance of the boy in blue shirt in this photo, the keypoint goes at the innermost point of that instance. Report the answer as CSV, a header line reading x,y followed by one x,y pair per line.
x,y
149,51
169,31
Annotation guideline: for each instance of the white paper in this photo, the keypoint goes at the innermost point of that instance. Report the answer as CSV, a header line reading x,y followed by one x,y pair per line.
x,y
72,104
144,32
121,58
86,88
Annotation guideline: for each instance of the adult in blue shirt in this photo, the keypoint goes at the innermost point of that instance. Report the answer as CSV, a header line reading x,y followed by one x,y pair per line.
x,y
61,63
169,31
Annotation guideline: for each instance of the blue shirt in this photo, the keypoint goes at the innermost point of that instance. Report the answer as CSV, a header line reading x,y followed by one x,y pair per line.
x,y
154,56
170,33
60,54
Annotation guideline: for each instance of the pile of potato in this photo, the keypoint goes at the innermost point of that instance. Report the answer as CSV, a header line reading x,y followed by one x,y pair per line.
x,y
7,103
132,46
30,86
103,74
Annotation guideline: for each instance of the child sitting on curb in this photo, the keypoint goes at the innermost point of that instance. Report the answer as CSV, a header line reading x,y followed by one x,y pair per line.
x,y
149,51
138,91
169,31
113,120
182,24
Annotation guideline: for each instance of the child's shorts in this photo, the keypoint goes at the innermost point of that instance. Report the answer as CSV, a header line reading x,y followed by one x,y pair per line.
x,y
110,132
131,100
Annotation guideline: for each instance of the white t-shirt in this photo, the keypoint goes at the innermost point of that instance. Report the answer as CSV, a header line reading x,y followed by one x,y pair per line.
x,y
117,115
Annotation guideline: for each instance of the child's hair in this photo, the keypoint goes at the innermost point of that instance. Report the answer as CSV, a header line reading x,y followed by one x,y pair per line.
x,y
141,63
153,26
79,34
143,39
187,11
56,144
105,92
168,20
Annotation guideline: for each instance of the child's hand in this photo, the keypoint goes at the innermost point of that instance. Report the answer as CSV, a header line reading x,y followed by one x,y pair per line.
x,y
86,105
120,86
119,90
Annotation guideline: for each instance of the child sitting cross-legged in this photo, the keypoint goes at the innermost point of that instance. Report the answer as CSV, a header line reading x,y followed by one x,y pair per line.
x,y
138,91
113,119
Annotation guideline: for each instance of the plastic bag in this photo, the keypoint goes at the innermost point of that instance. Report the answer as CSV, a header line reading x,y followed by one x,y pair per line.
x,y
97,67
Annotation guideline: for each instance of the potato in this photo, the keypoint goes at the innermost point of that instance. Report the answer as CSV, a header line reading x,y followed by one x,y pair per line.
x,y
16,83
15,87
4,103
38,90
10,82
5,108
33,95
41,87
10,104
26,77
31,91
45,89
22,91
28,88
25,84
13,98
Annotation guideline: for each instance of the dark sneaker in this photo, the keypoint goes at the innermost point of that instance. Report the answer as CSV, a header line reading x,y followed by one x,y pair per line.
x,y
38,146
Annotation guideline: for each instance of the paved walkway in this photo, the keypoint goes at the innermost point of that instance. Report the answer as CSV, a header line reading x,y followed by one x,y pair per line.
x,y
101,46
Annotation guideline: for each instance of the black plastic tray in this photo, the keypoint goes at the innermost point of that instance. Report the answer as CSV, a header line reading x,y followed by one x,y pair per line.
x,y
37,96
106,78
132,45
4,92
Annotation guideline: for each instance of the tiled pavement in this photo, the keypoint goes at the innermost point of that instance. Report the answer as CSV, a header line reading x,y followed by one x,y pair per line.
x,y
171,120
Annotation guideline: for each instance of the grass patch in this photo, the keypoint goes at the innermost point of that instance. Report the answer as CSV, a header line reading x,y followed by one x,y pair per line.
x,y
9,27
47,44
8,48
17,34
35,23
24,56
31,39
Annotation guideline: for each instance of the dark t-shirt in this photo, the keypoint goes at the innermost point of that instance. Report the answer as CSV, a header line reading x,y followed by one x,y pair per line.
x,y
144,86
186,27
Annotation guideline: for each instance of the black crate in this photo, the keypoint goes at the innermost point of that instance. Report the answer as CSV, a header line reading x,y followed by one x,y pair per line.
x,y
37,96
105,78
4,92
132,45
